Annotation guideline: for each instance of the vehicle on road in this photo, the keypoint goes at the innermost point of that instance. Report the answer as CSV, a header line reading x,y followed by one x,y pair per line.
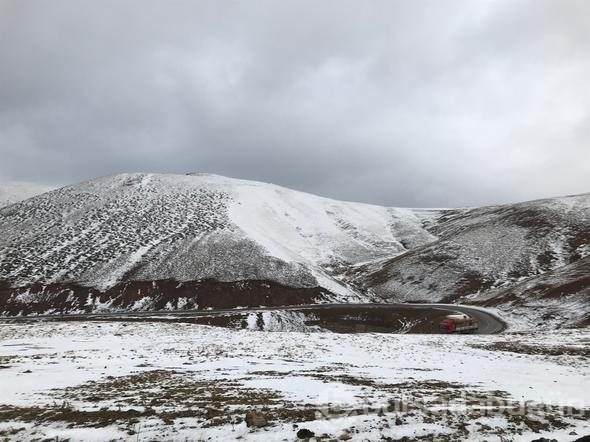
x,y
459,323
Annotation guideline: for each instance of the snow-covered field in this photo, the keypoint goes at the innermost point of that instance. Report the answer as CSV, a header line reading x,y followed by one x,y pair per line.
x,y
161,381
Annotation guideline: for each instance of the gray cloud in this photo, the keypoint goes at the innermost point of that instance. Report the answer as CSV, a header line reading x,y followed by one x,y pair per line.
x,y
423,103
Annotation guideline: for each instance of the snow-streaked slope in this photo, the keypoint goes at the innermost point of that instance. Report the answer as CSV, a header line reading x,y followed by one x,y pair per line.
x,y
553,299
295,225
188,227
484,253
15,191
207,230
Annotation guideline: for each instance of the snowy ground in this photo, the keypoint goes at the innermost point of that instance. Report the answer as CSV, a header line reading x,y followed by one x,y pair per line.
x,y
160,381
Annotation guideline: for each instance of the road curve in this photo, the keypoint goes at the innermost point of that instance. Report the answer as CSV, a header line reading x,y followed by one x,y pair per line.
x,y
488,322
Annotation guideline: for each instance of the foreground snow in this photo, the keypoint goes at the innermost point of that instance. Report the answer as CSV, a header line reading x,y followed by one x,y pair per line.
x,y
160,381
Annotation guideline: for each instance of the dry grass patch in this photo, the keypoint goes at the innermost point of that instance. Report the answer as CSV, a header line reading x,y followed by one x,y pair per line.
x,y
544,350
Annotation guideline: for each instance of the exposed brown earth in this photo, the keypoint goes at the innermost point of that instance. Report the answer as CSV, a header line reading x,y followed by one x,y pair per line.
x,y
521,348
153,295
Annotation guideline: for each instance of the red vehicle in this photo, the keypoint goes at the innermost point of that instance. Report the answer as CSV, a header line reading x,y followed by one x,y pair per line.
x,y
458,323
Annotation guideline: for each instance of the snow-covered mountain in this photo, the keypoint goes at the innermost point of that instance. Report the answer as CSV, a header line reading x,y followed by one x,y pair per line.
x,y
149,241
15,191
144,227
530,259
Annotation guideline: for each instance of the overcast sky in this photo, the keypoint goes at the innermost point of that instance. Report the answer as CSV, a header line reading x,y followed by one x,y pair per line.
x,y
407,103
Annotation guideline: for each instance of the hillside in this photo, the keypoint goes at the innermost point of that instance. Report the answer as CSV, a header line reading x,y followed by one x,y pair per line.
x,y
15,191
112,234
149,241
514,257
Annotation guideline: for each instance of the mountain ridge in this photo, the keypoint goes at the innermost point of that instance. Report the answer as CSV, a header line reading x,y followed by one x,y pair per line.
x,y
136,228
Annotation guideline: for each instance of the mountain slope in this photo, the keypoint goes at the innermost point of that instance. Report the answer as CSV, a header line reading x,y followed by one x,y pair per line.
x,y
15,191
143,227
500,253
150,241
551,300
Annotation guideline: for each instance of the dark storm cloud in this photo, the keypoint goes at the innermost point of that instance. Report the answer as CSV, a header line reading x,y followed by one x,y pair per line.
x,y
402,103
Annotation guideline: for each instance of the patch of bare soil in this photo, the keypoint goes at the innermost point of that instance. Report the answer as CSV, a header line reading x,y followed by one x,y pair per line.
x,y
521,348
157,295
537,219
583,323
579,239
566,288
470,282
167,395
66,413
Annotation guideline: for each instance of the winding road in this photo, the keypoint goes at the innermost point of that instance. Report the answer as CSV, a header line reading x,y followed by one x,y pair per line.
x,y
488,322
